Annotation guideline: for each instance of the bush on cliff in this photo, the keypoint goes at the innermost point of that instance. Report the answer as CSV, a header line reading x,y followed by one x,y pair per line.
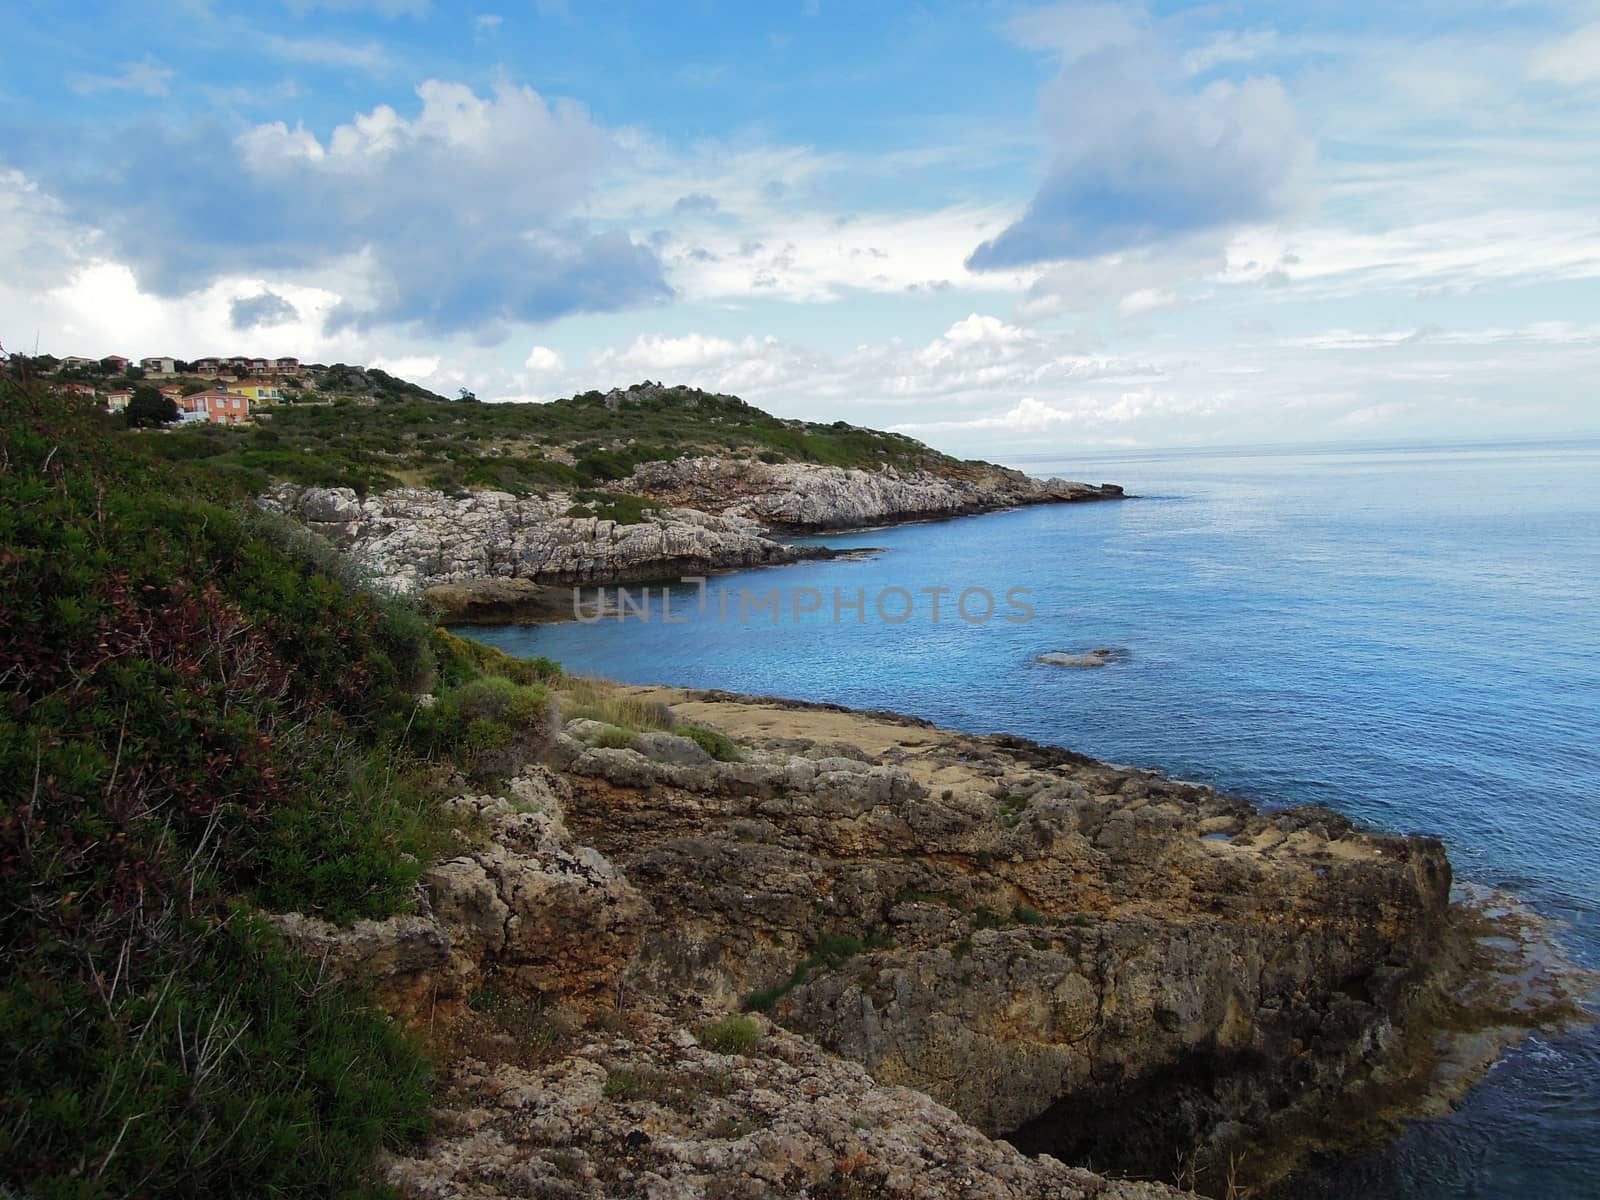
x,y
719,745
193,712
491,726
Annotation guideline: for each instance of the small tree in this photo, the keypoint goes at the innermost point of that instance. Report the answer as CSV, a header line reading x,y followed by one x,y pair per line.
x,y
150,408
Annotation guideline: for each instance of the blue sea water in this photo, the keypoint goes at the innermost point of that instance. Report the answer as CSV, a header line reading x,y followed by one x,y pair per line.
x,y
1410,636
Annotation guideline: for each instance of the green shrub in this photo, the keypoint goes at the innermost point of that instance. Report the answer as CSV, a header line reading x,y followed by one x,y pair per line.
x,y
613,738
224,1067
623,509
193,710
464,659
623,1086
734,1034
719,745
987,918
490,726
831,952
487,999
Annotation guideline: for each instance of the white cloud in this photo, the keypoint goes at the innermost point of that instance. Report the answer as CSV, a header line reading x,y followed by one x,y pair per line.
x,y
149,78
466,214
412,367
1146,300
100,309
1230,47
652,354
326,52
542,358
1573,60
1139,156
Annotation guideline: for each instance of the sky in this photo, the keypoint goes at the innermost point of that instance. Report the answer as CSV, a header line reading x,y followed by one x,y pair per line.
x,y
1004,229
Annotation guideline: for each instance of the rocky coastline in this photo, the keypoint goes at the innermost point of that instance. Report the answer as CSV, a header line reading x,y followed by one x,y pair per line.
x,y
948,946
808,498
490,553
965,962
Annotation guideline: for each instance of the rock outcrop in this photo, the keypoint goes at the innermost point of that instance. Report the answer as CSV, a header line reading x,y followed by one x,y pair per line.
x,y
948,940
646,1111
716,514
809,497
525,906
414,538
1031,937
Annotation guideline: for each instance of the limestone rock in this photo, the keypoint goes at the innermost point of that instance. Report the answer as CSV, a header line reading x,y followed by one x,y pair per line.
x,y
811,496
527,908
649,1113
1028,946
718,514
416,538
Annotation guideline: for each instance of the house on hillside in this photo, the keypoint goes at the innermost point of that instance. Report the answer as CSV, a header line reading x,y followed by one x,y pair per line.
x,y
286,366
75,360
159,365
118,401
207,366
217,406
83,390
260,391
172,391
115,362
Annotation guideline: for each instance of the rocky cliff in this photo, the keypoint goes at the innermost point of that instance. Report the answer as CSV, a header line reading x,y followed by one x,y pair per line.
x,y
713,514
413,538
944,940
808,497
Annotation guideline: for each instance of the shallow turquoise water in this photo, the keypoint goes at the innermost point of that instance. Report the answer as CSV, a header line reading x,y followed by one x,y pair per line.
x,y
1409,636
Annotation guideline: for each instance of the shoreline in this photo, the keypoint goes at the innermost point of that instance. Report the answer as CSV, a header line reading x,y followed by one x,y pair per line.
x,y
510,600
1475,998
1499,975
493,543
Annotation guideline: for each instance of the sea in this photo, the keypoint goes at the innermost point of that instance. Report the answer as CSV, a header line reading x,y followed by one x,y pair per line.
x,y
1407,634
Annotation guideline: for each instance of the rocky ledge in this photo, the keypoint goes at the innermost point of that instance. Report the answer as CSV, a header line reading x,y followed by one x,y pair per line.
x,y
414,538
943,941
714,514
805,497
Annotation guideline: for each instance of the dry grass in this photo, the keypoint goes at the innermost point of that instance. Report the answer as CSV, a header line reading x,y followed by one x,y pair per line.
x,y
602,700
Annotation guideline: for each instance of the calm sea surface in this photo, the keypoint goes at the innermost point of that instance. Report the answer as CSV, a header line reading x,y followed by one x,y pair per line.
x,y
1410,636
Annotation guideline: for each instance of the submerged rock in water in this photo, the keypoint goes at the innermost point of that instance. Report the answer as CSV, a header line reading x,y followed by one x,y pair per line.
x,y
1099,657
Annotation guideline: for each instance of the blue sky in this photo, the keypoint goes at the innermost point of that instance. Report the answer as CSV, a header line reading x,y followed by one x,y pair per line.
x,y
1004,228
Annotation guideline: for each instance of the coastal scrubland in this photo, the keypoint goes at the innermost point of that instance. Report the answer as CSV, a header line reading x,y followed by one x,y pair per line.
x,y
581,443
203,717
301,895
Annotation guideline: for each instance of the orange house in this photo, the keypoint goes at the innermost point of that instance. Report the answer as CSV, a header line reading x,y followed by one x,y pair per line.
x,y
217,406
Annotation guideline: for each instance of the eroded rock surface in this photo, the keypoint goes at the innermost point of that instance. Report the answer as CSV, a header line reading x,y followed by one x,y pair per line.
x,y
950,941
525,906
642,1109
716,514
414,538
1029,937
807,496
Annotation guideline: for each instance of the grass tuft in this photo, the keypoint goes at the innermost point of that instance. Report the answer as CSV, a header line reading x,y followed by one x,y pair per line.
x,y
733,1034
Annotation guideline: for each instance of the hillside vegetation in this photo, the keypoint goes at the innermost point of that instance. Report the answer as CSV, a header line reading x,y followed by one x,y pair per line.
x,y
584,442
202,716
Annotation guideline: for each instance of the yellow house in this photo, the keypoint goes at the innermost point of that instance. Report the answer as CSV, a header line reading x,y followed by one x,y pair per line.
x,y
260,391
